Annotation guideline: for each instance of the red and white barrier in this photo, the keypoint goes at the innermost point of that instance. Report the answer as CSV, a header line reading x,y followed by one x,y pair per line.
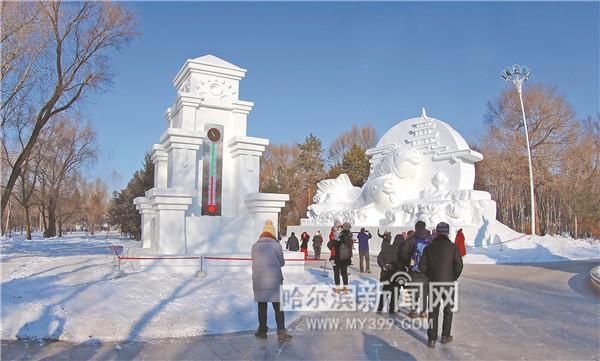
x,y
294,261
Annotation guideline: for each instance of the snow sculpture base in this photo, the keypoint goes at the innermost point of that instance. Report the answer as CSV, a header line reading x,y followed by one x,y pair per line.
x,y
486,234
421,170
205,199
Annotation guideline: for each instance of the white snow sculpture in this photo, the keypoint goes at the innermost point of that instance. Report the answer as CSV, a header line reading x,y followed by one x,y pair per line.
x,y
421,169
205,198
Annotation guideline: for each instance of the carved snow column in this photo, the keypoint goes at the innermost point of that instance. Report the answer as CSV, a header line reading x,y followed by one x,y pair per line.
x,y
171,203
144,206
246,153
160,159
169,220
264,206
182,148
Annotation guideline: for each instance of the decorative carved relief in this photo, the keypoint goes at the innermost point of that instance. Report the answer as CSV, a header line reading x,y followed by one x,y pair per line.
x,y
215,88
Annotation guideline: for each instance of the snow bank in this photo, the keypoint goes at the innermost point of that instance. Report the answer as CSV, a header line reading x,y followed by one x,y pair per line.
x,y
525,249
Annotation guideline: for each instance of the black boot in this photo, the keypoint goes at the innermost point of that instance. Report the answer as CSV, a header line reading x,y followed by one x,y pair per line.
x,y
446,339
431,343
261,333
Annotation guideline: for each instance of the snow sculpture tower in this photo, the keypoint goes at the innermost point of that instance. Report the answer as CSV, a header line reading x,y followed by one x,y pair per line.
x,y
205,198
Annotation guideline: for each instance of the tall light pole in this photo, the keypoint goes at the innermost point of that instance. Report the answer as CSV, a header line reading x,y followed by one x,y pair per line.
x,y
517,75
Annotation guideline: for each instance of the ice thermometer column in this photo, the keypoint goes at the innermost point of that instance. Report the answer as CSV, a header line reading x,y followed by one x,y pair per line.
x,y
212,171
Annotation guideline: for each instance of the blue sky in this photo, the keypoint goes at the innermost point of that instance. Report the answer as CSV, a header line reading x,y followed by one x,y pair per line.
x,y
321,67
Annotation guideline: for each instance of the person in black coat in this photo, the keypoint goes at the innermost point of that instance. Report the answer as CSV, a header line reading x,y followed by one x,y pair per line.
x,y
342,256
389,264
408,256
317,244
441,262
292,243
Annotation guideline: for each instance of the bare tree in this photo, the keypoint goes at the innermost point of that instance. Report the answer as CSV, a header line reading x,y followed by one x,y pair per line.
x,y
278,175
23,43
71,205
27,181
96,204
70,147
364,136
579,180
72,63
563,156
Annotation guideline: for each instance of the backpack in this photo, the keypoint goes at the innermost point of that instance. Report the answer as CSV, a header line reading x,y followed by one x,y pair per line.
x,y
418,253
345,252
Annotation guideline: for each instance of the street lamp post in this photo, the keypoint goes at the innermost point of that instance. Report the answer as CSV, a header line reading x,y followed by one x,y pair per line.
x,y
517,75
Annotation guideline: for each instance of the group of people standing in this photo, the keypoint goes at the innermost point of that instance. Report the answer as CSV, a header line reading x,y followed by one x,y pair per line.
x,y
292,244
424,256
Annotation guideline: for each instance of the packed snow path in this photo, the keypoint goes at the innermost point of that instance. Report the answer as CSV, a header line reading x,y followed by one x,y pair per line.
x,y
540,312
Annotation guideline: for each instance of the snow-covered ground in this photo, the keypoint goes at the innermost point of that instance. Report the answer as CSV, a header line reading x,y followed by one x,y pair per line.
x,y
65,288
525,249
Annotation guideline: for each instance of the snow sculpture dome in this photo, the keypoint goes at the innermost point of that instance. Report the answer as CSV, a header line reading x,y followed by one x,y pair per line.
x,y
438,153
421,169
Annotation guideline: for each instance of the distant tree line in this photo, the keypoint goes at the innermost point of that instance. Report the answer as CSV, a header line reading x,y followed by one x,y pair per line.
x,y
51,195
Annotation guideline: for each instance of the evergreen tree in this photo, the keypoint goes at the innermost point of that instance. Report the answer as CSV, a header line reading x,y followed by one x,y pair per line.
x,y
356,165
122,211
310,158
310,166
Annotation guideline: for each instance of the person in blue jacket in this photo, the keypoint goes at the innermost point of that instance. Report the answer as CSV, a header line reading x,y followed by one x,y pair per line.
x,y
363,249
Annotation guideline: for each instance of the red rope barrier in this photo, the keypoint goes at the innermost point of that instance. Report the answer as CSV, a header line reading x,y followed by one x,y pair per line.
x,y
114,249
228,258
246,259
138,258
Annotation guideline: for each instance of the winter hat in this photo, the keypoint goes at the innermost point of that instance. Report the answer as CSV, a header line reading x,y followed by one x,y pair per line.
x,y
346,226
420,225
318,232
443,228
269,228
